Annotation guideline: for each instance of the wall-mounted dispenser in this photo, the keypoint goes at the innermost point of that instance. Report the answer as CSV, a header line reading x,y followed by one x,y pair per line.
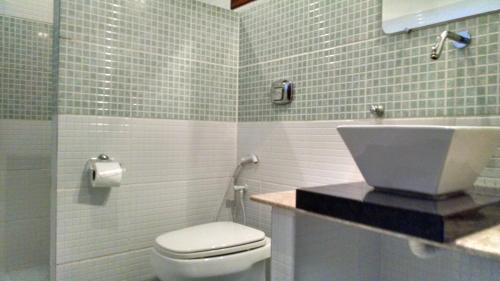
x,y
282,92
104,172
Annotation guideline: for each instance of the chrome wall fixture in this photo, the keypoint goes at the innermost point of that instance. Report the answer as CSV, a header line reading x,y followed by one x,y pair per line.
x,y
248,159
460,40
282,92
377,110
104,172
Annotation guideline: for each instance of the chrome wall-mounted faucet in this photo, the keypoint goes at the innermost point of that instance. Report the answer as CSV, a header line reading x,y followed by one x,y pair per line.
x,y
460,40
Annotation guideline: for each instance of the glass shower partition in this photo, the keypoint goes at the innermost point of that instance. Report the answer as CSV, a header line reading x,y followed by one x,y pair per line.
x,y
26,96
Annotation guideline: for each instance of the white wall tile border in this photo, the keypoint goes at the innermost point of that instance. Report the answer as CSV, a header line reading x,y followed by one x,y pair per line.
x,y
152,150
39,10
130,266
225,4
177,174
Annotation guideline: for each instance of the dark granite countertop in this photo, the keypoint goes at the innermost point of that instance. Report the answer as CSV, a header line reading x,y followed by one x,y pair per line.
x,y
436,220
481,241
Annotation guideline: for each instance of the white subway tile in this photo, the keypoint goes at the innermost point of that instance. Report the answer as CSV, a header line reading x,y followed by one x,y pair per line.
x,y
25,148
304,154
177,173
151,150
39,10
130,266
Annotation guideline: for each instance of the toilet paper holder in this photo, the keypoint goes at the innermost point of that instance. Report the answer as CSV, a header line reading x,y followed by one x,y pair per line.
x,y
102,158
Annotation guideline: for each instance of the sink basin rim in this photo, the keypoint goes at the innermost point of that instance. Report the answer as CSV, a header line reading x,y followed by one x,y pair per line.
x,y
434,160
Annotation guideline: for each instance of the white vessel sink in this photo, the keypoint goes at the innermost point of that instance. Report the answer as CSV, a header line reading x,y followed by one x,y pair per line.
x,y
428,160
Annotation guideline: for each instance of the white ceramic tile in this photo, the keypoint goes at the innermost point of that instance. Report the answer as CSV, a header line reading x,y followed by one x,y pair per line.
x,y
89,226
98,223
35,273
130,266
307,248
24,145
4,276
40,10
27,243
3,252
226,4
177,173
292,155
297,154
398,263
306,154
152,150
24,194
326,250
303,154
252,208
283,245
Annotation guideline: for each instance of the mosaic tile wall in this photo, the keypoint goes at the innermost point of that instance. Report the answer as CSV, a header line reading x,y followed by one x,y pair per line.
x,y
173,59
342,62
25,69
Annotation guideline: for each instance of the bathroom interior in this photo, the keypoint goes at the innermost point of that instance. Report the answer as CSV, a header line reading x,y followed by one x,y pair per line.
x,y
249,140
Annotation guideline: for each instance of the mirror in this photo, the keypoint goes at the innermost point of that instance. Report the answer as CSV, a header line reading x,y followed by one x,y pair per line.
x,y
405,15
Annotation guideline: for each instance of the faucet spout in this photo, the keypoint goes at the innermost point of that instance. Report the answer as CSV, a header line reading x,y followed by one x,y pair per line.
x,y
461,40
438,46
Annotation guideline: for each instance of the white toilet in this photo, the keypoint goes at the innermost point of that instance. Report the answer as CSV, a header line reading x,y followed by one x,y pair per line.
x,y
219,251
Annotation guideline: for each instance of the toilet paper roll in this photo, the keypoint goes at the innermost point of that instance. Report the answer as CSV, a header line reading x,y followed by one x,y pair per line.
x,y
106,174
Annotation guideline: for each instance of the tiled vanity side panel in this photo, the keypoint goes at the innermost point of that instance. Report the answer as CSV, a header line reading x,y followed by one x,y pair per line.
x,y
330,251
308,248
398,263
283,249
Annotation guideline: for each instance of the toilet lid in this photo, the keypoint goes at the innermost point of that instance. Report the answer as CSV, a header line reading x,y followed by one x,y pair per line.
x,y
208,240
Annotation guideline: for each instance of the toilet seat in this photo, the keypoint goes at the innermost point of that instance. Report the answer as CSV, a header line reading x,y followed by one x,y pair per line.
x,y
218,268
209,240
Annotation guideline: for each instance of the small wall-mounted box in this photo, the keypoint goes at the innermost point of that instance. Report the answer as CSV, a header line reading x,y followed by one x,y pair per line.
x,y
282,92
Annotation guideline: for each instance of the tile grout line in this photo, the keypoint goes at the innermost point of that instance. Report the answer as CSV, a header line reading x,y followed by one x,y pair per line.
x,y
311,52
138,183
104,256
61,38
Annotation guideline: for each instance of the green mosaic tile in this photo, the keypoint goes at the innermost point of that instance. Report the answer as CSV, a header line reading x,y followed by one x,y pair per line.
x,y
25,69
148,59
341,62
280,28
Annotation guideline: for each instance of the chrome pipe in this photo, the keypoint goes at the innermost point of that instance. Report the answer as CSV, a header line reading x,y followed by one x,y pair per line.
x,y
461,40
